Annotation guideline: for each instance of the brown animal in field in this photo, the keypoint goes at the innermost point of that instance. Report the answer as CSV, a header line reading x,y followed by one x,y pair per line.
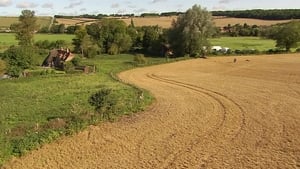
x,y
234,60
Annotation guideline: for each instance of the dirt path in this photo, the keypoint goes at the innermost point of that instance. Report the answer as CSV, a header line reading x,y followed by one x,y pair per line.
x,y
209,113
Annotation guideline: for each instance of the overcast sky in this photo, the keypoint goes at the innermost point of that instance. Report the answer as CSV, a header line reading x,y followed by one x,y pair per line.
x,y
77,7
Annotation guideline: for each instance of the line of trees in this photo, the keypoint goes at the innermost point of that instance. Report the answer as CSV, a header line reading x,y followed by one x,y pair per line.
x,y
267,14
242,30
272,14
188,35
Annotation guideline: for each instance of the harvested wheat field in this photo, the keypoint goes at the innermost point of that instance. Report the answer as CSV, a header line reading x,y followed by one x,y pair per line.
x,y
208,113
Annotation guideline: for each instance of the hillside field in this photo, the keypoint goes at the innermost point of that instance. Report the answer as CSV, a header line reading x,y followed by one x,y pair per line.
x,y
166,22
208,113
6,21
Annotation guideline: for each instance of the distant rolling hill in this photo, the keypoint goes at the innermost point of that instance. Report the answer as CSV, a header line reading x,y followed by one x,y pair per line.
x,y
6,21
164,21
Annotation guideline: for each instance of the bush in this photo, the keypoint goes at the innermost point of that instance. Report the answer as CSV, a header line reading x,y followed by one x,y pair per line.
x,y
92,51
276,51
104,102
76,61
69,67
113,50
19,58
140,59
2,67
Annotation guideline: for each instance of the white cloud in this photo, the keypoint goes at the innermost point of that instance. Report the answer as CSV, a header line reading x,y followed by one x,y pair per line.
x,y
219,8
131,6
140,10
74,4
225,1
156,1
26,5
4,3
47,5
116,5
120,11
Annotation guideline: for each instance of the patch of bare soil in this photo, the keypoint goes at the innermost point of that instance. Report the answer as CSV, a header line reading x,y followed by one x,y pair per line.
x,y
209,113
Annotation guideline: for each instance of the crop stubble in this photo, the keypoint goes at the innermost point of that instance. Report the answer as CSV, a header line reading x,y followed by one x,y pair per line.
x,y
209,113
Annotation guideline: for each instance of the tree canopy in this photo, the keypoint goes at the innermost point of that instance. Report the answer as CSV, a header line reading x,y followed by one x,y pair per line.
x,y
286,35
190,31
26,27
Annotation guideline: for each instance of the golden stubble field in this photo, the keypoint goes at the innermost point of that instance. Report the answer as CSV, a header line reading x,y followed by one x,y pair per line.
x,y
166,22
208,113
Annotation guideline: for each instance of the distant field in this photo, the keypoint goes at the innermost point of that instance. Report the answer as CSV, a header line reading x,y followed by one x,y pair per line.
x,y
166,22
224,21
244,43
8,39
75,21
7,21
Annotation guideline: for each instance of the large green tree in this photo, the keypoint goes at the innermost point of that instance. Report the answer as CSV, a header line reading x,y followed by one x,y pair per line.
x,y
110,35
286,35
190,32
26,28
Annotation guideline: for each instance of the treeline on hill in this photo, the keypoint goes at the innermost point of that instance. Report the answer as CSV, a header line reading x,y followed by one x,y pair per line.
x,y
272,14
100,16
268,14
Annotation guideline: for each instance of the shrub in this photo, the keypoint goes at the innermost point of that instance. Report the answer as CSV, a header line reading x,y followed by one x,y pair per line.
x,y
76,61
92,51
104,102
276,51
2,67
19,58
140,59
69,67
113,50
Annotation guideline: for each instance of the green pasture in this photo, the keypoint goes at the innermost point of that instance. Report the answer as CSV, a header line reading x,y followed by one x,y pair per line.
x,y
38,109
241,43
8,39
6,21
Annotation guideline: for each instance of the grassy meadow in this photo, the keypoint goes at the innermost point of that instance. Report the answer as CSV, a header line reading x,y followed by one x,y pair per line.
x,y
8,39
242,43
37,110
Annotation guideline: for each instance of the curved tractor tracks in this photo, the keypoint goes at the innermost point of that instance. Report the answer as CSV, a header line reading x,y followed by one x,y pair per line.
x,y
220,99
207,114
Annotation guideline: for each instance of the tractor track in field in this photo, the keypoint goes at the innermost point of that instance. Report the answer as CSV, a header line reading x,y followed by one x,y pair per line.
x,y
218,97
207,114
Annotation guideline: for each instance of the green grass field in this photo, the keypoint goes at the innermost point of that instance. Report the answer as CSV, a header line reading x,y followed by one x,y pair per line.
x,y
241,43
8,39
7,21
30,106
